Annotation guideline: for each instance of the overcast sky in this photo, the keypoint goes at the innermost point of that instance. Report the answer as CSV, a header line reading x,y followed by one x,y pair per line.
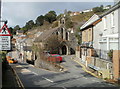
x,y
19,12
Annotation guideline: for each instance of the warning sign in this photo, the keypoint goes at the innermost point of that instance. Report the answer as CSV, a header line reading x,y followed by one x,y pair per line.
x,y
5,38
4,31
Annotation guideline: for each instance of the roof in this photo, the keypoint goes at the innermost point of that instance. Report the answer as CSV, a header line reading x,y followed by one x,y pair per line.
x,y
97,18
90,21
113,8
20,31
45,34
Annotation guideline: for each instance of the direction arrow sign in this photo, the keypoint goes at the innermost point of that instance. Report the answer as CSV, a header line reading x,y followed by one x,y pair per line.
x,y
4,31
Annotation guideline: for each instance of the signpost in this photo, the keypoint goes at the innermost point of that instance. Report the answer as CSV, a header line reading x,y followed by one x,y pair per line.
x,y
5,37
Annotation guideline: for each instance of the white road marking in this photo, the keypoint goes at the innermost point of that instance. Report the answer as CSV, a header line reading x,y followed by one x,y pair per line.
x,y
18,66
25,71
64,88
34,73
48,79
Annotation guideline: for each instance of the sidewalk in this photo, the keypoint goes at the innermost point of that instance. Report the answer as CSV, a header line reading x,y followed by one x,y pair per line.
x,y
8,78
78,60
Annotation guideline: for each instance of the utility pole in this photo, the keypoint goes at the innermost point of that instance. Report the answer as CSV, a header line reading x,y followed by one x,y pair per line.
x,y
0,13
0,55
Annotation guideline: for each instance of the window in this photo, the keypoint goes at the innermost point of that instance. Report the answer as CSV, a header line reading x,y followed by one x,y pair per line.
x,y
105,23
112,20
66,35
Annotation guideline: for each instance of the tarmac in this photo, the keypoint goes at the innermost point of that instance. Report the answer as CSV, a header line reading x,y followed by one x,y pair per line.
x,y
8,78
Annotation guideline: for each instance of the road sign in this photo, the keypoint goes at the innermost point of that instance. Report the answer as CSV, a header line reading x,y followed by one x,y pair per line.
x,y
5,38
4,31
5,43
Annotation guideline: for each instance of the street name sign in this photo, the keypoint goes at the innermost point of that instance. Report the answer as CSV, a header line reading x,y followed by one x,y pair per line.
x,y
5,38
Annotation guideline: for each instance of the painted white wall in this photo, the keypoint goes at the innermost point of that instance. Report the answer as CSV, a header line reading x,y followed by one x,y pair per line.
x,y
97,30
109,38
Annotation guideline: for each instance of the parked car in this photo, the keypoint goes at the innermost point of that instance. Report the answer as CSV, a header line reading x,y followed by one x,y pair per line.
x,y
55,58
12,61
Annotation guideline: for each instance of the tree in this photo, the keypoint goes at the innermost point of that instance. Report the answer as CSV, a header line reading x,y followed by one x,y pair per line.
x,y
59,16
29,24
53,44
17,27
98,9
78,35
24,29
11,30
40,20
69,23
55,24
50,16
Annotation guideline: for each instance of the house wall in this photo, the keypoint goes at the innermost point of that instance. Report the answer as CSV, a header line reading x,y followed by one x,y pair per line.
x,y
87,35
109,28
106,36
97,30
106,32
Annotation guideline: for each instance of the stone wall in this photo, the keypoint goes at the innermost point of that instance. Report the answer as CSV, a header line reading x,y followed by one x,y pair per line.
x,y
47,65
104,68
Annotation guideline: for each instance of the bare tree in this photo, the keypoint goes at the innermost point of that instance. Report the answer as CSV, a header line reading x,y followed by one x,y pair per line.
x,y
53,43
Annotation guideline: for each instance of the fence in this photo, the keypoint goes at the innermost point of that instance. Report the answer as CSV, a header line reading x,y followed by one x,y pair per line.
x,y
102,54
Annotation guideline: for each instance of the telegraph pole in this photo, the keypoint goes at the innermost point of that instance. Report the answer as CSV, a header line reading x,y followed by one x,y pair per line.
x,y
0,13
0,55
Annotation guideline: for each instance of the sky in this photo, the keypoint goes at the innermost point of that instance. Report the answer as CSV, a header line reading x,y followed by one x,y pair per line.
x,y
18,12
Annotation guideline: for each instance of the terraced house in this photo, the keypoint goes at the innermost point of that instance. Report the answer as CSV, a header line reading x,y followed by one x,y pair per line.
x,y
100,43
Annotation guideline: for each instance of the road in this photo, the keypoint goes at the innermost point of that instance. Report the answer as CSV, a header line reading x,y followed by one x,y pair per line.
x,y
73,77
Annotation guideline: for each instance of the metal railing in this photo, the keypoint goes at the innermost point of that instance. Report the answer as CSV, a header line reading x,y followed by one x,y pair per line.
x,y
103,54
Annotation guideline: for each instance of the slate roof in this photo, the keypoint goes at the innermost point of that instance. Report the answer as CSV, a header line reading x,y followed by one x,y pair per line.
x,y
91,21
20,31
46,34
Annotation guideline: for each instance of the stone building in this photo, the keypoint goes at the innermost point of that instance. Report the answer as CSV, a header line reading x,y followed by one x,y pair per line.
x,y
66,36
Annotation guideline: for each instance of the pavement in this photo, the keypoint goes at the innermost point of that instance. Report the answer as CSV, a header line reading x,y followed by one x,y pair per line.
x,y
74,76
8,78
78,60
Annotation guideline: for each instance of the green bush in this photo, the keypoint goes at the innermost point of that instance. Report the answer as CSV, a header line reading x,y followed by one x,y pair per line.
x,y
110,53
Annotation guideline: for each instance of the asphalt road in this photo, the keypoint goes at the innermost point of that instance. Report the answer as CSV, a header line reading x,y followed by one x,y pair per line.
x,y
73,77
